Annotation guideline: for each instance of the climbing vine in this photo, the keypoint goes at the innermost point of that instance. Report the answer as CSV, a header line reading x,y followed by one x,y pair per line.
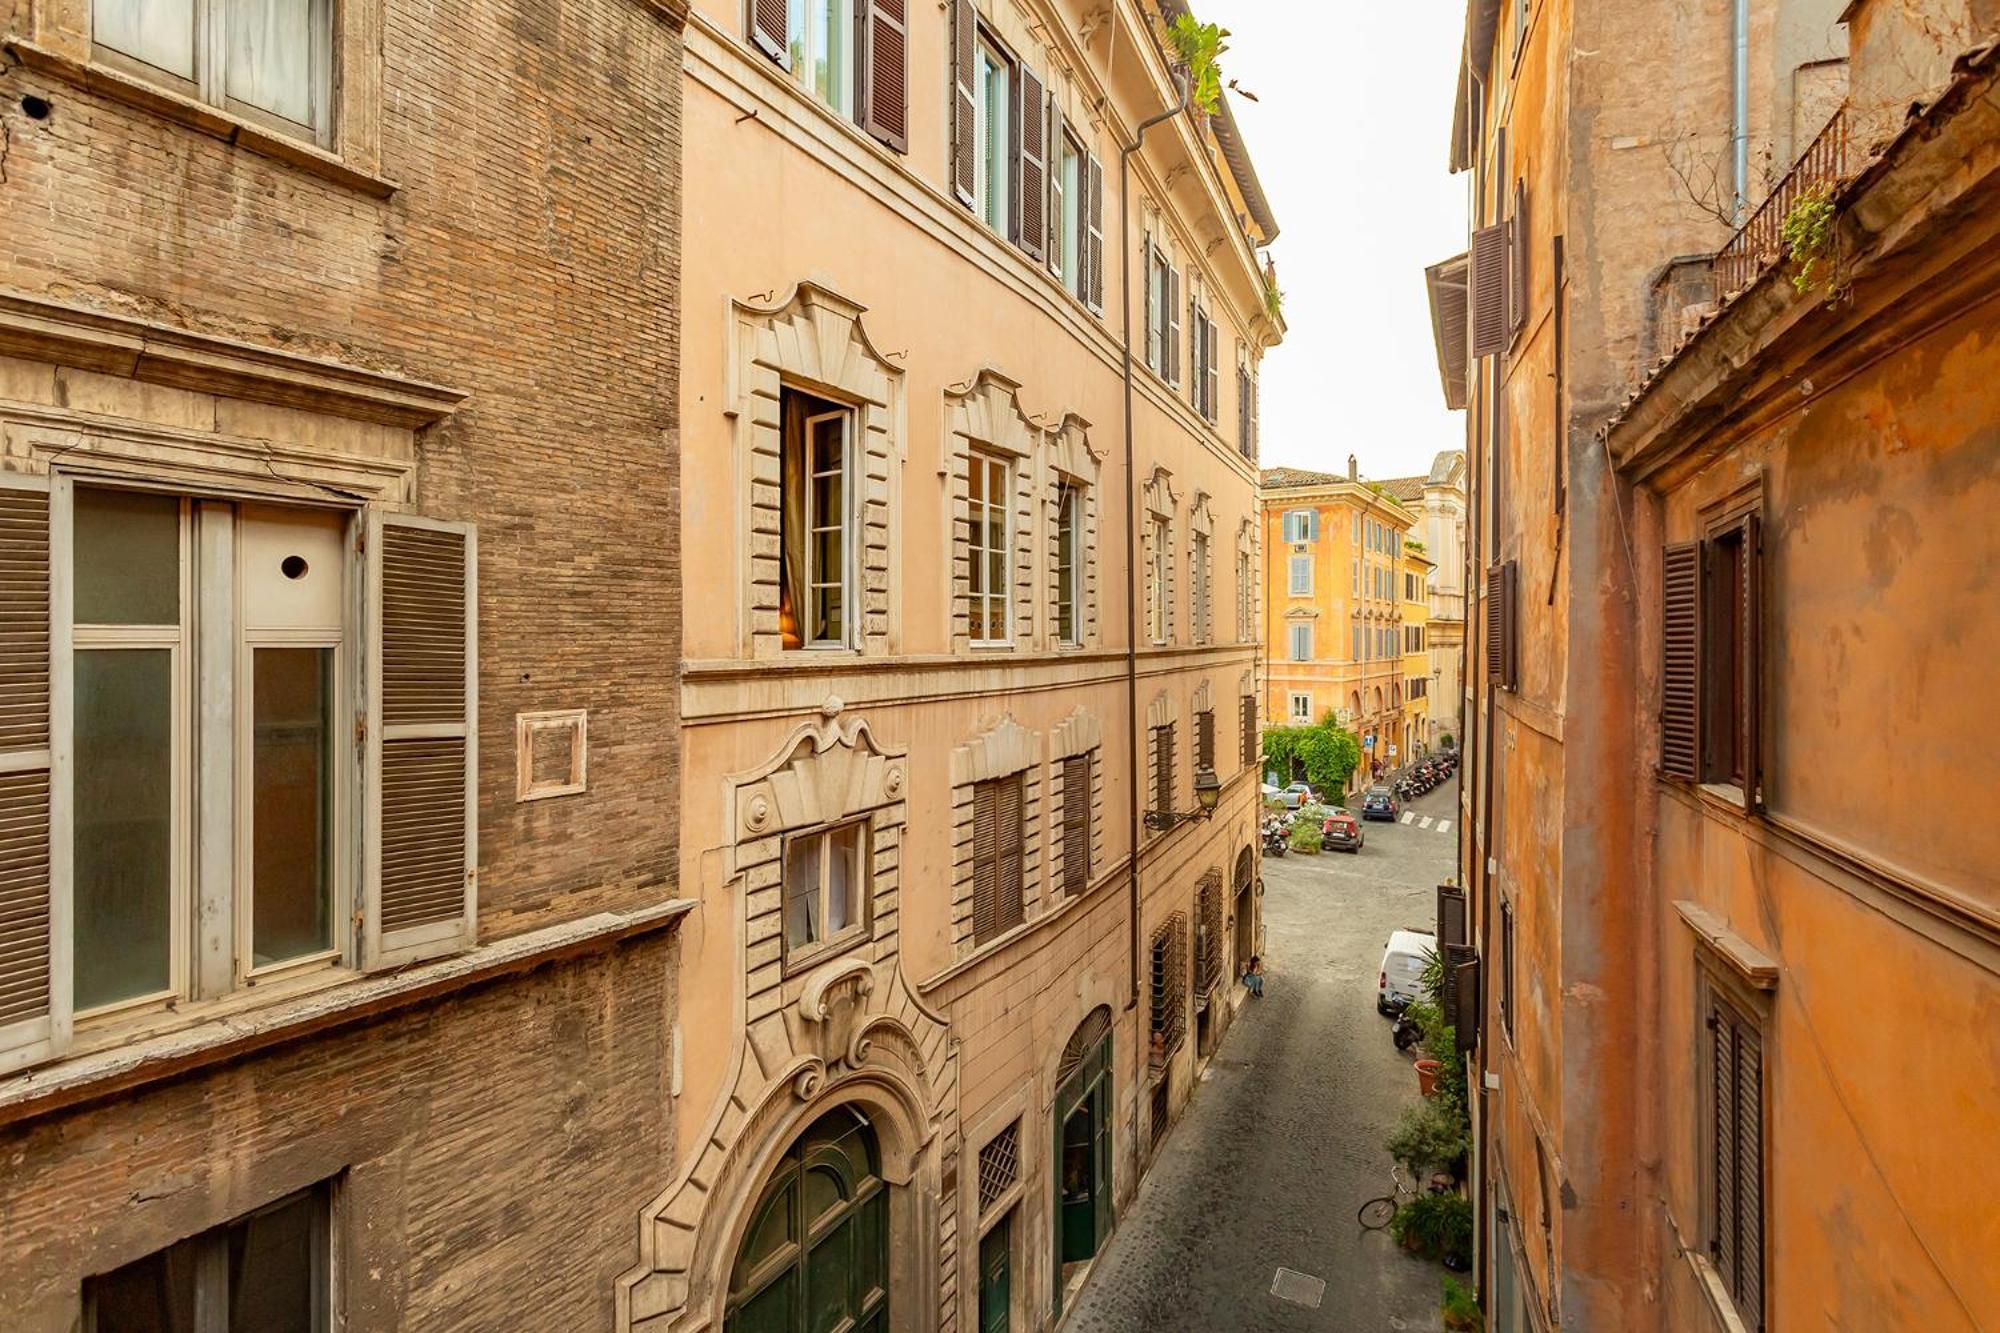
x,y
1808,236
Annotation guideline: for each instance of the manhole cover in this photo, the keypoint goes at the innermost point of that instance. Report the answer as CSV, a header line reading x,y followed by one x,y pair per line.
x,y
1298,1288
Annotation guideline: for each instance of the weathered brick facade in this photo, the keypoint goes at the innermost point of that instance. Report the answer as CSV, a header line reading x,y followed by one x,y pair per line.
x,y
489,248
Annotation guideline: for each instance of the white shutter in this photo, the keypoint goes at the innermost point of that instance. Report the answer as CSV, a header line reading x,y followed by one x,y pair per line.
x,y
34,955
421,833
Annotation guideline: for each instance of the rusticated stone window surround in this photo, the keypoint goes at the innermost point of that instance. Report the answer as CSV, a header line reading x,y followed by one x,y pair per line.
x,y
985,414
1160,713
1160,505
812,339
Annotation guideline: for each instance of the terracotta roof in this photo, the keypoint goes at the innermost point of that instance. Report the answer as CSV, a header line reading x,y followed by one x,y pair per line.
x,y
1278,477
1405,488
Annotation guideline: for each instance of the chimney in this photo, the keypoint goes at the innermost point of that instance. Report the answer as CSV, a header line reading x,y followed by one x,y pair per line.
x,y
1353,469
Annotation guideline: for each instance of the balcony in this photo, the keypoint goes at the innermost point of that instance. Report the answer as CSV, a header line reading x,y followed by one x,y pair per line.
x,y
1759,243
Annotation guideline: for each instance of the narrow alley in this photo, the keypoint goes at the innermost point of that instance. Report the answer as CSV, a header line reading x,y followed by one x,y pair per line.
x,y
1283,1140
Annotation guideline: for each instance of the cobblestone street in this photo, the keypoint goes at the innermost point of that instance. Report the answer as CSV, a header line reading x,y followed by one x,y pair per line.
x,y
1283,1140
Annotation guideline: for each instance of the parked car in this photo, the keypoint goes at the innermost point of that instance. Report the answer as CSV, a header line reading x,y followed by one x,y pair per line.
x,y
1402,972
1342,831
1379,803
1297,794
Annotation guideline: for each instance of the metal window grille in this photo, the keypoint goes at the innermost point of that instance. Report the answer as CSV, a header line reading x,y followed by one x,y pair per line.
x,y
999,1165
1208,959
1169,989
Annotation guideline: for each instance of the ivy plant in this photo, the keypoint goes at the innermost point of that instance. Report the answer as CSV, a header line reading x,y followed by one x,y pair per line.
x,y
1200,46
1808,236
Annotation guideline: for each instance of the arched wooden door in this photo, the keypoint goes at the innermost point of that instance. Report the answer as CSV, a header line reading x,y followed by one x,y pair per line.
x,y
816,1255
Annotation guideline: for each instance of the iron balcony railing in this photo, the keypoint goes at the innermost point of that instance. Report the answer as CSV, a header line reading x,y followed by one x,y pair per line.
x,y
1759,243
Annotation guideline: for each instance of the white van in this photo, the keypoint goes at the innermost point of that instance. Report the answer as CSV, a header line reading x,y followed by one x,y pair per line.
x,y
1403,969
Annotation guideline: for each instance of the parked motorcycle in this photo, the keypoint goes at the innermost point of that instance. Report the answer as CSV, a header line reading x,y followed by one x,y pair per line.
x,y
1407,1032
1276,841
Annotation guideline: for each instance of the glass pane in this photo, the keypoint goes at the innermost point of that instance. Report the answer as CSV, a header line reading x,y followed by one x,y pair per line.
x,y
150,1295
773,1233
770,1311
292,812
977,617
124,823
271,1270
159,32
829,438
996,572
802,860
844,878
829,624
829,1279
825,1191
795,24
128,558
269,56
828,564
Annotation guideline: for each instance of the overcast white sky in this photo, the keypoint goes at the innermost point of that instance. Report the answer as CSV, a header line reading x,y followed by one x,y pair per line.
x,y
1350,144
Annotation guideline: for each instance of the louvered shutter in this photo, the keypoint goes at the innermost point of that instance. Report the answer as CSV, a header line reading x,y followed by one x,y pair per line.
x,y
1464,984
1212,398
985,861
34,1009
1748,1288
1451,916
421,839
1094,235
1517,261
885,73
1052,249
1154,285
1170,345
1076,823
1680,640
964,106
1722,1249
769,31
1009,907
1488,284
1034,155
1247,709
1500,625
1194,354
1751,612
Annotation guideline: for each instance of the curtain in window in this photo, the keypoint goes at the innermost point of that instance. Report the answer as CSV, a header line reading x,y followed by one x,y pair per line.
x,y
792,574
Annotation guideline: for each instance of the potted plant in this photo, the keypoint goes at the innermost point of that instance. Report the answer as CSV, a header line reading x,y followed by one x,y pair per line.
x,y
1306,838
1427,1076
1437,1226
1461,1307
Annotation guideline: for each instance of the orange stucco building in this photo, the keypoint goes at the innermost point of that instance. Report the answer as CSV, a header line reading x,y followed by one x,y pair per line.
x,y
1727,838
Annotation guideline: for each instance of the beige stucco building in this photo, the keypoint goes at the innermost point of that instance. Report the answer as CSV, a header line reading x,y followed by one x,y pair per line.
x,y
927,964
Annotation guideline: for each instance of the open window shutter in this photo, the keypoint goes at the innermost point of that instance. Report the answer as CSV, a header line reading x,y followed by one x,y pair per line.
x,y
1748,1091
1213,403
1752,612
1146,267
769,32
1488,284
1170,352
421,841
1464,985
985,860
1076,823
1034,149
964,107
1500,618
1194,354
1680,641
1010,909
1450,916
34,972
1517,261
1247,708
885,78
1052,248
1093,224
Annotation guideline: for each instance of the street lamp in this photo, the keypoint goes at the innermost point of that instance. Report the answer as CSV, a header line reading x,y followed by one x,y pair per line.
x,y
1207,795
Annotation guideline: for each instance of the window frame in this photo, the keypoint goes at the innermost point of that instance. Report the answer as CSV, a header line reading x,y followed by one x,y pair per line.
x,y
1069,561
1716,991
800,51
1162,619
1009,918
1069,215
1297,562
1298,707
861,925
984,464
992,57
209,84
1293,639
848,527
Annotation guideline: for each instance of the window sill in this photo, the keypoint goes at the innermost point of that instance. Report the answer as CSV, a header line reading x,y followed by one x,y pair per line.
x,y
119,1057
1720,1307
201,117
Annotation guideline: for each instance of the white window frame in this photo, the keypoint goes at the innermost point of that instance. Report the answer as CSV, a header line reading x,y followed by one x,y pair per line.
x,y
805,20
1301,633
995,603
1067,173
1300,587
815,523
1069,547
207,82
991,62
1299,708
1198,557
1159,608
862,894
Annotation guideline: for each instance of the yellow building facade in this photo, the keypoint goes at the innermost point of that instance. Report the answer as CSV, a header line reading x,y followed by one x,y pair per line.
x,y
1419,673
1334,608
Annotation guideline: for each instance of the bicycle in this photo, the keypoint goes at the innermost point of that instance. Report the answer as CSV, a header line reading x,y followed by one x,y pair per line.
x,y
1380,1211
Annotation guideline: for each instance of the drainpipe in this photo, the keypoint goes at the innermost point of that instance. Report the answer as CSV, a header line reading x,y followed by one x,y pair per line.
x,y
1136,580
1740,110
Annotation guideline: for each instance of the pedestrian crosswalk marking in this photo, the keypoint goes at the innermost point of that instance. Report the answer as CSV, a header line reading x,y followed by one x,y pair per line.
x,y
1425,822
1407,816
1443,824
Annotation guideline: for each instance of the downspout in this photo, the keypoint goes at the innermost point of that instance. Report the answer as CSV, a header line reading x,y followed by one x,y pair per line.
x,y
1740,110
1136,579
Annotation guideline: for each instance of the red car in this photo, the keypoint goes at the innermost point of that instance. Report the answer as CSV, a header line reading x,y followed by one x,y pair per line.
x,y
1341,830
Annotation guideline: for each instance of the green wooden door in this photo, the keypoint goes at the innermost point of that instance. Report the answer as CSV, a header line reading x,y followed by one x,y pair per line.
x,y
996,1264
815,1257
1079,1183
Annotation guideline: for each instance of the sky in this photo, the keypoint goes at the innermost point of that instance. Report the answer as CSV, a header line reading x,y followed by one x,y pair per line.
x,y
1350,143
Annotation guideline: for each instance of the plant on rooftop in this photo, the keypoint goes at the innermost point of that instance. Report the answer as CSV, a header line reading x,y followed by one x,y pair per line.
x,y
1200,46
1808,236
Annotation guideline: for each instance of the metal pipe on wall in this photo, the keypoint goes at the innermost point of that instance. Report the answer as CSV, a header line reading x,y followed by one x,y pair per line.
x,y
1740,109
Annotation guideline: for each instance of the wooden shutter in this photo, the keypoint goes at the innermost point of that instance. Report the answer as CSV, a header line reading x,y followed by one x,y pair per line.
x,y
885,72
769,30
1488,289
1680,642
1093,225
34,1010
1204,740
1076,823
1751,612
1736,1161
1163,767
1212,395
964,105
1053,247
1154,360
1463,983
1009,909
422,733
1451,916
1501,625
985,860
1247,707
1170,345
1517,261
1034,157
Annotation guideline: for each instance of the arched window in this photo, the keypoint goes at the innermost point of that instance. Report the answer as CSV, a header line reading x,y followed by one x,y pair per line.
x,y
816,1254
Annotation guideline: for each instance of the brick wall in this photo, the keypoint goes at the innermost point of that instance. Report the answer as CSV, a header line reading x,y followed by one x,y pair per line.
x,y
497,1148
529,256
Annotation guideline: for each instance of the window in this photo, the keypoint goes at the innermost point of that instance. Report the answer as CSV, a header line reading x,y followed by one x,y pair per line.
x,y
998,837
1163,313
1733,1163
1358,643
1069,563
822,49
1244,582
1076,775
818,549
1246,403
1202,615
1160,618
993,128
1302,575
819,1235
1711,671
1203,374
1356,571
1357,529
826,888
1204,740
1301,710
1068,182
1300,525
1723,646
1163,767
1506,967
268,1270
268,61
987,493
1302,643
1246,725
1168,990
